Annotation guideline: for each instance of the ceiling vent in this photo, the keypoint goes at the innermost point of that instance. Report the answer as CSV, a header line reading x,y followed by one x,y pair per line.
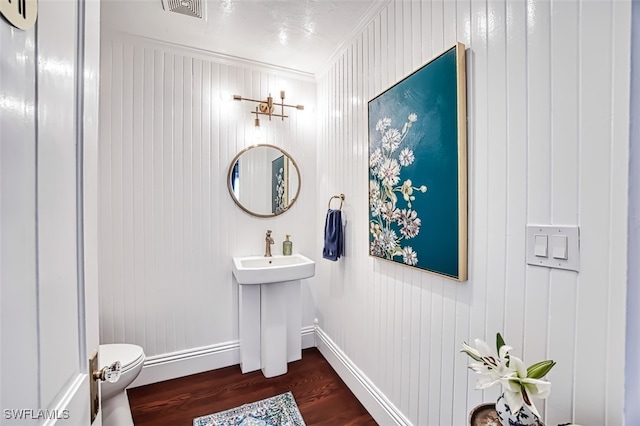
x,y
185,7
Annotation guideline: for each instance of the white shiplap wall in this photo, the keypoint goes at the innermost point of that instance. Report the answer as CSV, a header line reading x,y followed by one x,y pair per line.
x,y
632,367
168,227
548,95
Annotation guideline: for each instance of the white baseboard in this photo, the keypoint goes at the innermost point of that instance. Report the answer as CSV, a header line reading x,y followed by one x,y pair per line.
x,y
192,361
169,366
184,363
376,403
308,337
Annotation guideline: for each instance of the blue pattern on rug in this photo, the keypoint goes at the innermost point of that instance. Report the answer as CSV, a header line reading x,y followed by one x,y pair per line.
x,y
280,410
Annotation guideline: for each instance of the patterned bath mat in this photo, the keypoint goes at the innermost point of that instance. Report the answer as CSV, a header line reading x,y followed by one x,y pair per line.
x,y
280,410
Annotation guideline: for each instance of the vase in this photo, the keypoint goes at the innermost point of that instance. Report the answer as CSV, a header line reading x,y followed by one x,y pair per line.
x,y
524,417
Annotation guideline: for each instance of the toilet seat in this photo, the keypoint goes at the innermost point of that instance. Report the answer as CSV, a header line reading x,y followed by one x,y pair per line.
x,y
128,355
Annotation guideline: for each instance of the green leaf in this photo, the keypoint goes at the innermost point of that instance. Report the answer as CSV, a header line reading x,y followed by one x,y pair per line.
x,y
540,369
388,191
499,342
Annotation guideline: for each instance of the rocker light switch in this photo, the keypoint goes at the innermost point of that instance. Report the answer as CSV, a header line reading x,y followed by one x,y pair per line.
x,y
553,246
541,242
559,244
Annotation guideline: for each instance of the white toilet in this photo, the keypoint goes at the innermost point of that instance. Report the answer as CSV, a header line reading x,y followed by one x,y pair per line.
x,y
115,403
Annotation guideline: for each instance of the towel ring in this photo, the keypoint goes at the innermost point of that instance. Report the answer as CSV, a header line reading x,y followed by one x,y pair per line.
x,y
341,197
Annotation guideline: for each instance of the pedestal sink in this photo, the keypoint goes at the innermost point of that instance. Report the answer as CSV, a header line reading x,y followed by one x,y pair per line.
x,y
270,312
274,269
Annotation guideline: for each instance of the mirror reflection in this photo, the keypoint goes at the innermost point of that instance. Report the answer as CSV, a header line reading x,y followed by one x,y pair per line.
x,y
264,180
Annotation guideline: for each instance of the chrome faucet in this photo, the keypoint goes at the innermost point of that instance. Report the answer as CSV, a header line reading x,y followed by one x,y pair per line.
x,y
268,241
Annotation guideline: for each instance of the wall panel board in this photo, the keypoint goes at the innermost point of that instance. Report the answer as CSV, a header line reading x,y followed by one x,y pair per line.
x,y
168,227
543,85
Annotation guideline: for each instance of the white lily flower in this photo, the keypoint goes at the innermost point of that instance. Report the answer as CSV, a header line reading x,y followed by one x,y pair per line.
x,y
510,372
491,376
487,380
484,349
479,367
519,366
536,387
519,382
472,352
492,368
504,351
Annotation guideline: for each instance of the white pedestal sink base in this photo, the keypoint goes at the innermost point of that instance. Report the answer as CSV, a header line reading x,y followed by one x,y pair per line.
x,y
272,338
273,328
249,297
294,321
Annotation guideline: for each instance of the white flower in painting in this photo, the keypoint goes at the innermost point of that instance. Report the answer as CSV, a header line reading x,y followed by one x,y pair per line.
x,y
389,172
388,240
382,124
387,159
409,256
280,200
376,207
376,248
376,158
391,140
374,229
407,191
375,200
412,119
390,213
409,222
406,157
374,190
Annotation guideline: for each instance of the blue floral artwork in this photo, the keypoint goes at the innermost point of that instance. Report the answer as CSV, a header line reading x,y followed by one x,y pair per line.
x,y
279,197
417,169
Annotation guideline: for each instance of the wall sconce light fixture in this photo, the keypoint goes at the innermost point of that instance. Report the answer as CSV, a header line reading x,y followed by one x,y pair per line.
x,y
257,131
268,107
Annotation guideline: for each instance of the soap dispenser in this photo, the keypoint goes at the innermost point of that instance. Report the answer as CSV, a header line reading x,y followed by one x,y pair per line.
x,y
287,246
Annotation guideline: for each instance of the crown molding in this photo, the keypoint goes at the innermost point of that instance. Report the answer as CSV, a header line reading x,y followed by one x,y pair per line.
x,y
221,58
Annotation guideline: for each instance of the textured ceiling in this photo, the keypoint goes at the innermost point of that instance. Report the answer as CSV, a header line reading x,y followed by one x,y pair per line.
x,y
296,34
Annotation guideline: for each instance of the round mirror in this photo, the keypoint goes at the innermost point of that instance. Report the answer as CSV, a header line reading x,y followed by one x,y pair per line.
x,y
264,180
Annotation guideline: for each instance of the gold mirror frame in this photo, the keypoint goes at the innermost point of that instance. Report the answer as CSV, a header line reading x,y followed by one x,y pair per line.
x,y
239,203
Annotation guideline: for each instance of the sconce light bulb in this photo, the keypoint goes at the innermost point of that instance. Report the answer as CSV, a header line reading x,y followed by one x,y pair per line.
x,y
225,96
257,133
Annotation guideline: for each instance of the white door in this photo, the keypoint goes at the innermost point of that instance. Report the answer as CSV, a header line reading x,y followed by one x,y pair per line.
x,y
48,213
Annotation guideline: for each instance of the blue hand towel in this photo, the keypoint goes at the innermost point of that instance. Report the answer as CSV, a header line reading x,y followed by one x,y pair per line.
x,y
333,236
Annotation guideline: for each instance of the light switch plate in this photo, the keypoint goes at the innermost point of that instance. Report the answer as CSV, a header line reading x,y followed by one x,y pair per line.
x,y
556,242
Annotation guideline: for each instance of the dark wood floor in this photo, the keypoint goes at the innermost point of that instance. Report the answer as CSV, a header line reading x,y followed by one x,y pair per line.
x,y
321,395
